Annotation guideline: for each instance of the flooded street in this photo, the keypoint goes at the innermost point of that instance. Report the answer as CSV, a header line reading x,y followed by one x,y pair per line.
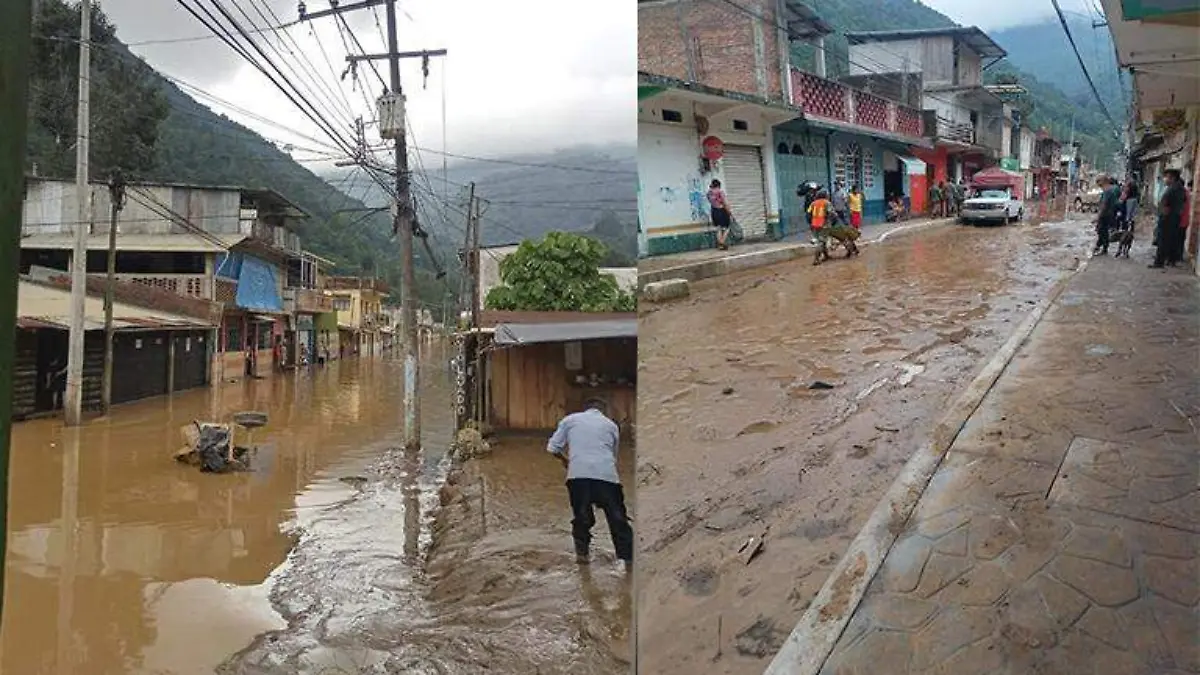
x,y
784,400
122,561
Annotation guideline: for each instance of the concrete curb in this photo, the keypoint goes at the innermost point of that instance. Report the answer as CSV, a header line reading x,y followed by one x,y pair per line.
x,y
812,640
705,269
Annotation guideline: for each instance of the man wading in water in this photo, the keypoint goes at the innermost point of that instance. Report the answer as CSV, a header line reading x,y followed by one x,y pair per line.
x,y
589,440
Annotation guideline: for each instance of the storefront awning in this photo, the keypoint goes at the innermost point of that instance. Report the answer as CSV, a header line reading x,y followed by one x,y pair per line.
x,y
508,334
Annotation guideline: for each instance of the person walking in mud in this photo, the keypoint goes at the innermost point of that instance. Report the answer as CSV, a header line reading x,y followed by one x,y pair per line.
x,y
586,443
841,203
721,217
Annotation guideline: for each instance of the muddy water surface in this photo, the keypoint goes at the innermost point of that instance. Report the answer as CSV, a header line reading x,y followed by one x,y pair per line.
x,y
784,400
123,562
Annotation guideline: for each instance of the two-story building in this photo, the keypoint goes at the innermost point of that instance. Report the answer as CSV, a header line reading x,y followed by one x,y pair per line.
x,y
967,123
721,98
224,244
358,310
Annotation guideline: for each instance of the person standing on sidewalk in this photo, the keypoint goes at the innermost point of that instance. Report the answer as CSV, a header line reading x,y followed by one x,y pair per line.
x,y
935,201
1170,221
721,217
841,203
586,443
1105,218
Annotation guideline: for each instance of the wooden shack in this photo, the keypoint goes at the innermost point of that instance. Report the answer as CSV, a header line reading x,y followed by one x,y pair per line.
x,y
538,369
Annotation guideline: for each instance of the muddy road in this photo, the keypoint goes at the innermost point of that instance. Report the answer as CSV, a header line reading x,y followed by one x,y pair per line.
x,y
785,400
123,562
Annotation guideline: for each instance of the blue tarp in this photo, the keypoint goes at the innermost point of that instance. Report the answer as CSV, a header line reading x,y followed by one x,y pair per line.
x,y
257,289
230,267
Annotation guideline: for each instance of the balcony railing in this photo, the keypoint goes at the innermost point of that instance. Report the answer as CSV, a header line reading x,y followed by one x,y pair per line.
x,y
306,301
937,126
190,285
822,98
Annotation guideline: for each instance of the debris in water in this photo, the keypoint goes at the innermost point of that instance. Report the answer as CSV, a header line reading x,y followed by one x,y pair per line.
x,y
891,429
871,389
727,391
752,547
820,385
1099,350
911,370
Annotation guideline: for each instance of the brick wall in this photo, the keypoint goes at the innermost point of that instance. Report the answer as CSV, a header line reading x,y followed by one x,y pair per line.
x,y
720,39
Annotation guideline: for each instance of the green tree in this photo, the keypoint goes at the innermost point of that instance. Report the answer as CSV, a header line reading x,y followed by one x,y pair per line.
x,y
127,105
558,273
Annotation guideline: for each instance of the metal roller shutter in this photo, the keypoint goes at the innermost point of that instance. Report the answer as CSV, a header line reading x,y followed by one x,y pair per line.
x,y
743,169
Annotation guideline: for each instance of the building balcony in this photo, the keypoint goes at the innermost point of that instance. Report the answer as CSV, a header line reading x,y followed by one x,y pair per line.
x,y
826,99
306,301
940,128
189,285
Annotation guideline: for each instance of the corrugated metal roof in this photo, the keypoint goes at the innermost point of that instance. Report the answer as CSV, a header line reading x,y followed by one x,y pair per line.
x,y
41,306
182,243
530,333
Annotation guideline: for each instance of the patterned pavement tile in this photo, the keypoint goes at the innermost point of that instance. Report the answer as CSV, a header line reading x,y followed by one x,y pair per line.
x,y
1059,536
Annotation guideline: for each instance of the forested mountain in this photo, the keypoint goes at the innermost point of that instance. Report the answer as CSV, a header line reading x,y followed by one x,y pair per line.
x,y
155,131
584,190
1040,61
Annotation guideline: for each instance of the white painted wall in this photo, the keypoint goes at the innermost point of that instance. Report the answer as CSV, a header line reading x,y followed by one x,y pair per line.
x,y
671,190
1025,150
947,106
886,57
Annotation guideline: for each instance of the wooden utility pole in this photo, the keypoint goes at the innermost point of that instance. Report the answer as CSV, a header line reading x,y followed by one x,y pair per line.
x,y
73,400
116,194
15,38
476,270
392,125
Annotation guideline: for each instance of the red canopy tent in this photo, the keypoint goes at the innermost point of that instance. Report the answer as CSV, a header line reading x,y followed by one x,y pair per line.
x,y
997,178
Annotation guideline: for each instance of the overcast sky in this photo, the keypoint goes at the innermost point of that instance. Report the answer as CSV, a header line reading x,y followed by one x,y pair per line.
x,y
992,16
520,76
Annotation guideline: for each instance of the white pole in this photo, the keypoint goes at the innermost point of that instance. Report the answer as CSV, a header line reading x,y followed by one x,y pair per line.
x,y
73,399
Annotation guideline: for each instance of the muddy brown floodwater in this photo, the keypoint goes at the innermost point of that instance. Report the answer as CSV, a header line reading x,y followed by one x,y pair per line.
x,y
123,562
735,440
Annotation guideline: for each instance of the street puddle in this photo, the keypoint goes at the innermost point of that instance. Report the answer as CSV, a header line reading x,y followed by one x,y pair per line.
x,y
124,562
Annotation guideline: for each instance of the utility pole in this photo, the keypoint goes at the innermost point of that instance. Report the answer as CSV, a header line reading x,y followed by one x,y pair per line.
x,y
73,400
392,125
15,39
116,194
476,301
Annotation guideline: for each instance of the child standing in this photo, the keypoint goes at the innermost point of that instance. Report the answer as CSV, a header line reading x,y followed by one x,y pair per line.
x,y
855,201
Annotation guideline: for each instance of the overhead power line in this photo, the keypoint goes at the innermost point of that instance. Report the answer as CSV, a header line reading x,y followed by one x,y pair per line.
x,y
1070,38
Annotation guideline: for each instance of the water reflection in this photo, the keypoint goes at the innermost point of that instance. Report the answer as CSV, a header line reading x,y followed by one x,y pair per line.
x,y
122,561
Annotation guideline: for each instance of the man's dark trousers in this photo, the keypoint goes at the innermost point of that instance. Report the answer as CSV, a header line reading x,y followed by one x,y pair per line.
x,y
586,493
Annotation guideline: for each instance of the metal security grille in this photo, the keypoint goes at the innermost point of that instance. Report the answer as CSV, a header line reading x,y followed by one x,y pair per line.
x,y
743,170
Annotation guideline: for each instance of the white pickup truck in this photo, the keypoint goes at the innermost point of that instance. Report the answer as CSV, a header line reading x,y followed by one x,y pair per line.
x,y
997,205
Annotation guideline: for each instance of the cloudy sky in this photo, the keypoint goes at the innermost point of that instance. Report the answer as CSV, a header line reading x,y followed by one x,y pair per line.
x,y
520,75
1013,12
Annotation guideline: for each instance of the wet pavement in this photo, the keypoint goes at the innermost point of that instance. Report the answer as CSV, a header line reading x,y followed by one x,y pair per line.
x,y
1060,535
657,265
784,400
122,561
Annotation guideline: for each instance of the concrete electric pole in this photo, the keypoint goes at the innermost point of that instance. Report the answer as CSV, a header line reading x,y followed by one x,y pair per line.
x,y
73,400
392,126
116,194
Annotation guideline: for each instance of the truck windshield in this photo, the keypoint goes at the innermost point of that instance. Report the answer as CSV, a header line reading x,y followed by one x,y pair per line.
x,y
992,194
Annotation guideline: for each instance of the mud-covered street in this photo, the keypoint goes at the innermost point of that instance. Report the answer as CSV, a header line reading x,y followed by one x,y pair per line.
x,y
123,561
784,400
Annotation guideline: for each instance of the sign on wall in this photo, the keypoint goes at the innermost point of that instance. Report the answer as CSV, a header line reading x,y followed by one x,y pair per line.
x,y
712,148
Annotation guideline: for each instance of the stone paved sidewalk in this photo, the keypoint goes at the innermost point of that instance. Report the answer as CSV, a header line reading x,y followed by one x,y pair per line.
x,y
1060,534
